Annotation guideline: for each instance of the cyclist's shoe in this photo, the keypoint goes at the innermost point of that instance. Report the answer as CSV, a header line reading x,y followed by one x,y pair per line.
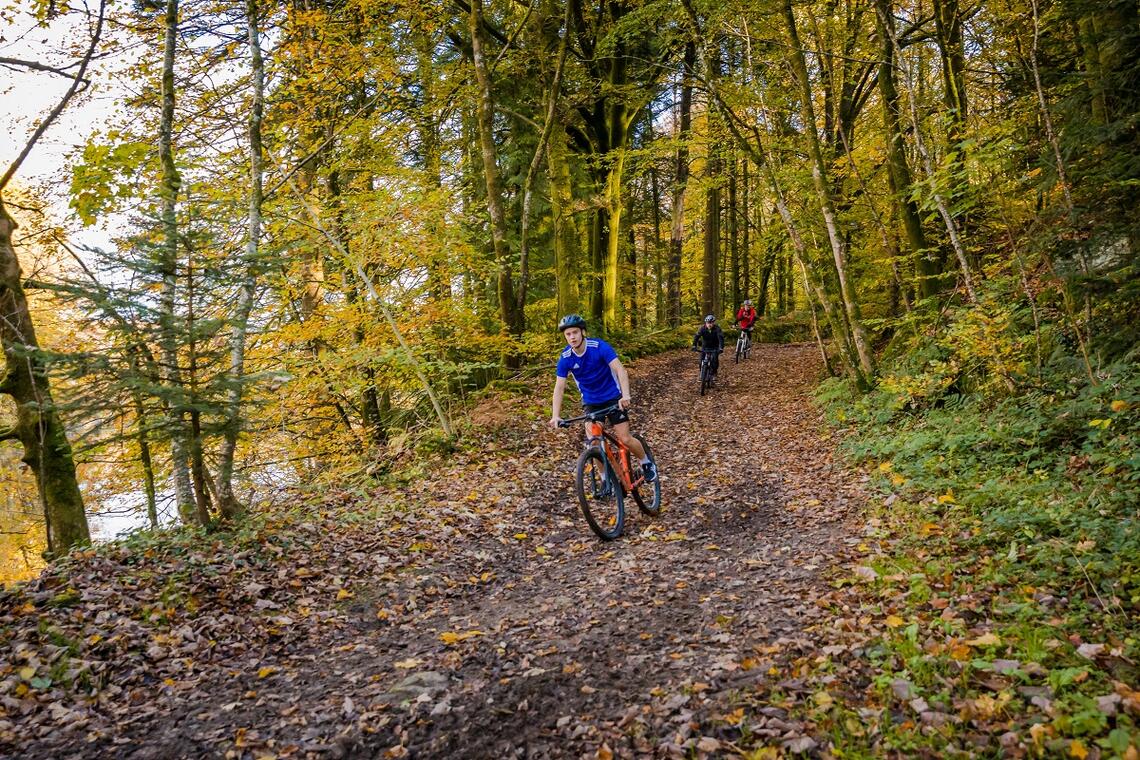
x,y
649,470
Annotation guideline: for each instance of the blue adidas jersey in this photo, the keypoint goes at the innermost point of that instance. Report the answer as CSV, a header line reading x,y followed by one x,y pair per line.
x,y
597,382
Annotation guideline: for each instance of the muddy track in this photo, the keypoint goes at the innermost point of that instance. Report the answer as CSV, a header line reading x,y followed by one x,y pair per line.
x,y
552,643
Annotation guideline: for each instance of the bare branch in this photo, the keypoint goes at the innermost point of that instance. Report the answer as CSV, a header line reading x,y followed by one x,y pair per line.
x,y
36,66
51,117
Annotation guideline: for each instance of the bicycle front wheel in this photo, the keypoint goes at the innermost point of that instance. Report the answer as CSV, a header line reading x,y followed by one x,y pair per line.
x,y
706,374
600,494
739,350
648,495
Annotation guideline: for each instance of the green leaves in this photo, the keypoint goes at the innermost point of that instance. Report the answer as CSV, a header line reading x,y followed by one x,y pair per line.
x,y
106,175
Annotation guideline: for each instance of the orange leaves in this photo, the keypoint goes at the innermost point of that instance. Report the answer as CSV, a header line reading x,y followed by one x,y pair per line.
x,y
451,638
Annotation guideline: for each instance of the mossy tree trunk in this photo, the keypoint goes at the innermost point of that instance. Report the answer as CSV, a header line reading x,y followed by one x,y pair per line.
x,y
38,427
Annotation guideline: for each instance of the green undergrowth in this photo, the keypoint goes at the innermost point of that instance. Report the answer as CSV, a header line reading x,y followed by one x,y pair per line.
x,y
1000,577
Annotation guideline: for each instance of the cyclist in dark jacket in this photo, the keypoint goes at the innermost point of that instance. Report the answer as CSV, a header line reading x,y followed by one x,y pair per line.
x,y
710,338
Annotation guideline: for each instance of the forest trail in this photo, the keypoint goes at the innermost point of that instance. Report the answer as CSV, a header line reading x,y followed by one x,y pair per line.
x,y
492,623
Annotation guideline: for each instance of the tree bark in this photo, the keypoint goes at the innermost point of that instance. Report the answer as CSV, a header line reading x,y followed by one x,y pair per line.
x,y
228,504
710,270
826,203
658,284
733,241
898,169
567,242
677,228
485,115
171,183
38,427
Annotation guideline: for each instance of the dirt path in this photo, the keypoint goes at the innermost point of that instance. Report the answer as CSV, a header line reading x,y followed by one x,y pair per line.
x,y
513,632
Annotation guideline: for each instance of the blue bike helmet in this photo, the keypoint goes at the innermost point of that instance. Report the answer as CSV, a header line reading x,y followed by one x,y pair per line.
x,y
571,320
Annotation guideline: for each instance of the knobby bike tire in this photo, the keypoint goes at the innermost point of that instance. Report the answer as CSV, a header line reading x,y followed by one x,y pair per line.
x,y
600,494
652,505
705,372
739,351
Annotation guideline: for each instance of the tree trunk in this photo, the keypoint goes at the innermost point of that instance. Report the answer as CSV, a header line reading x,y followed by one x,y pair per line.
x,y
228,504
599,220
427,126
899,174
710,281
948,28
618,120
631,261
567,243
38,427
823,193
199,479
508,313
677,229
746,242
658,285
171,183
733,241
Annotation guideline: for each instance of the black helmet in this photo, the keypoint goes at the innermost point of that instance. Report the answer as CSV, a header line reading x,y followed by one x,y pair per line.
x,y
571,320
710,319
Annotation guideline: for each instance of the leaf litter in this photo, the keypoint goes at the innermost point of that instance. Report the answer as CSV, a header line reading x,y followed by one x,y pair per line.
x,y
424,621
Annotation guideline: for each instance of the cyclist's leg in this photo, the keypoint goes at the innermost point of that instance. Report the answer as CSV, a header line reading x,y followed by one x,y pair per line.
x,y
621,432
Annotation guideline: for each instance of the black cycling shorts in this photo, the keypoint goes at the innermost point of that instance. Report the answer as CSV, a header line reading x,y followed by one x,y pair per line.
x,y
617,416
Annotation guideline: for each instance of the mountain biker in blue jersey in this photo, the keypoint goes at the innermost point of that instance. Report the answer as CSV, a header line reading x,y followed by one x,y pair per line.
x,y
603,382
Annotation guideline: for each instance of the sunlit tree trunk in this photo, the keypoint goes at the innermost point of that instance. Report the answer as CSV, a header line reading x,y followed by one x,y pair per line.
x,y
567,241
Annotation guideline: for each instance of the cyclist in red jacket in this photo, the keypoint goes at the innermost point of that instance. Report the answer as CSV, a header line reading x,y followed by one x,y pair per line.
x,y
746,318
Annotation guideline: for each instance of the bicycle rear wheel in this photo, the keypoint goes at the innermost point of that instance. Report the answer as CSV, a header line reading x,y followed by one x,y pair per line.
x,y
648,495
600,494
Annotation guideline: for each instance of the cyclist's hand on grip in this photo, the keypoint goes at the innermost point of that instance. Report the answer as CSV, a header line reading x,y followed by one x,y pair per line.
x,y
556,422
625,402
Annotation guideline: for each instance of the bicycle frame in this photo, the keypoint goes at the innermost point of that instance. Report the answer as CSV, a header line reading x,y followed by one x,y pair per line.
x,y
616,452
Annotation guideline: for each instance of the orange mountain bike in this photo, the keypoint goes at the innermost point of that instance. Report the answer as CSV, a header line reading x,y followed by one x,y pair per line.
x,y
607,473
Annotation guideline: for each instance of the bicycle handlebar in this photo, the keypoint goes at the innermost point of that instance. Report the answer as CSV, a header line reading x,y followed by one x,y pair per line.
x,y
594,416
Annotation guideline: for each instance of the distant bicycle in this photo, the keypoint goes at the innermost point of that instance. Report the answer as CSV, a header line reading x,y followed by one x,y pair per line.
x,y
743,345
707,376
607,473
